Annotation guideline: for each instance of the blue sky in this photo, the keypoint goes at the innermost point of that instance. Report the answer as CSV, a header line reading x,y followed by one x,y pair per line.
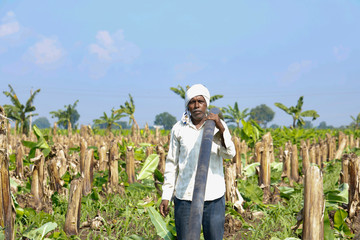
x,y
252,52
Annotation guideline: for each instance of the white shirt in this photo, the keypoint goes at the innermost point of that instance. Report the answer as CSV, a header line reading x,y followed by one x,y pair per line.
x,y
182,159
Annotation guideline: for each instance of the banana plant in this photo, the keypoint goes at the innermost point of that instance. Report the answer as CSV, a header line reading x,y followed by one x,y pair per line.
x,y
234,114
68,116
109,121
40,144
128,109
251,132
297,113
18,112
356,121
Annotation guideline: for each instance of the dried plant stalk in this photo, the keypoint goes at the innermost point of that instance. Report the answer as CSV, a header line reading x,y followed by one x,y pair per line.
x,y
294,164
113,165
265,172
103,159
83,147
19,160
6,216
341,148
55,183
88,171
72,219
130,164
161,152
313,225
354,186
305,157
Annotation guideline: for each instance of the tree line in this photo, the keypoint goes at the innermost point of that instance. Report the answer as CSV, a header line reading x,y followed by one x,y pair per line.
x,y
67,118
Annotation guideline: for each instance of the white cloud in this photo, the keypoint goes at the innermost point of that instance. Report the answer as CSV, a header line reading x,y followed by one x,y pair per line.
x,y
114,48
9,25
109,50
341,53
295,71
45,51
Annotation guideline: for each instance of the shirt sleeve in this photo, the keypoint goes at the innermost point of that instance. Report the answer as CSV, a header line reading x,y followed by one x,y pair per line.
x,y
229,151
171,167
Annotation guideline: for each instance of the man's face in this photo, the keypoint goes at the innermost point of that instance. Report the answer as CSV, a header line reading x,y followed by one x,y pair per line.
x,y
197,107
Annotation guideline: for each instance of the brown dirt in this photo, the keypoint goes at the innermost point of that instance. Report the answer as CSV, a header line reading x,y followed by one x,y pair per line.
x,y
234,229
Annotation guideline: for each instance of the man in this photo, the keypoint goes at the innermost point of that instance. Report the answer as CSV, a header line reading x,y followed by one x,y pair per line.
x,y
181,164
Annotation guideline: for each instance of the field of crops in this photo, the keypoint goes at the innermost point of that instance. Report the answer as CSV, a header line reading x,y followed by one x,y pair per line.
x,y
282,184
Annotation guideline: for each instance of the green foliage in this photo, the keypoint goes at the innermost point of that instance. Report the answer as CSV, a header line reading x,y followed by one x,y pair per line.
x,y
110,121
40,144
40,233
149,167
340,225
251,132
234,114
165,119
41,123
160,225
262,114
129,110
356,121
179,90
18,112
297,113
68,116
322,125
294,135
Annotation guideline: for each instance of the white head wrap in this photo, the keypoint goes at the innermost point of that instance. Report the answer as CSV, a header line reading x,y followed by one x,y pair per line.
x,y
196,90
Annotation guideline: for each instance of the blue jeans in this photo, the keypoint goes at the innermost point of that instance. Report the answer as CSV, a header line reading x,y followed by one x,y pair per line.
x,y
213,218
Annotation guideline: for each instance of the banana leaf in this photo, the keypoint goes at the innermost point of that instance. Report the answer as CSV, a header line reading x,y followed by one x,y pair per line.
x,y
149,167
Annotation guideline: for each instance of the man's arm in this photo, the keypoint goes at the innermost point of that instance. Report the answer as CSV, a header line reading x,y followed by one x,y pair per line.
x,y
170,173
227,149
218,125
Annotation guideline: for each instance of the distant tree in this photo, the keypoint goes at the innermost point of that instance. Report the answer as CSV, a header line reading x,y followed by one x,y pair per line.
x,y
308,125
322,125
18,112
68,117
179,90
128,109
274,126
262,114
41,122
109,121
165,119
297,113
356,121
234,114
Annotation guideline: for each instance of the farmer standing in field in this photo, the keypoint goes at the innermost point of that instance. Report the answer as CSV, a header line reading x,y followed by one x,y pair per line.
x,y
181,165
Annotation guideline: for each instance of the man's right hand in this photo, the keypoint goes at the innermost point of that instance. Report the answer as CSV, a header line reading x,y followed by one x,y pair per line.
x,y
164,208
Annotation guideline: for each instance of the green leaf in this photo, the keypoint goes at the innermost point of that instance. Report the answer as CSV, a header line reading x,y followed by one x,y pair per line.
x,y
328,232
286,191
134,237
40,233
339,219
28,144
66,177
160,224
158,175
37,132
149,167
277,166
250,169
